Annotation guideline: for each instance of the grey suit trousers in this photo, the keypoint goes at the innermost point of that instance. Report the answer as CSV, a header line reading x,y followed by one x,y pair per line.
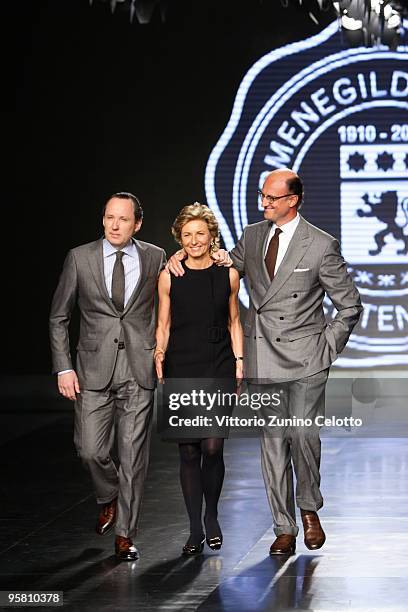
x,y
287,445
126,407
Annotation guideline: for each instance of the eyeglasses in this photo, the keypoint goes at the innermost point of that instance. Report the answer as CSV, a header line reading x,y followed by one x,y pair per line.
x,y
270,198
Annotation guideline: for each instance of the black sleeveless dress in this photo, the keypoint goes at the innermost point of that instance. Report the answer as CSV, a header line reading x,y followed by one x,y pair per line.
x,y
200,344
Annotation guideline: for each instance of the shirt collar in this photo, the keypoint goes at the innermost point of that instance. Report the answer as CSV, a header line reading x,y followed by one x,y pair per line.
x,y
109,249
290,226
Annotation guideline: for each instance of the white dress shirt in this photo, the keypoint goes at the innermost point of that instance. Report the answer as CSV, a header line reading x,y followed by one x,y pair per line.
x,y
131,265
288,229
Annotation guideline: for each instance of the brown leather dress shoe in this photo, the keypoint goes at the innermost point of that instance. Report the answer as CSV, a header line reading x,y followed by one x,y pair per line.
x,y
125,550
285,544
314,534
107,517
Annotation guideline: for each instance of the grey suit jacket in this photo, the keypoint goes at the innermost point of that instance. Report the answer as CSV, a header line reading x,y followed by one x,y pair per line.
x,y
286,333
82,281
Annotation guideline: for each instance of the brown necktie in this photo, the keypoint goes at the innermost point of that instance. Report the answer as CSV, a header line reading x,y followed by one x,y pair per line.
x,y
272,253
118,282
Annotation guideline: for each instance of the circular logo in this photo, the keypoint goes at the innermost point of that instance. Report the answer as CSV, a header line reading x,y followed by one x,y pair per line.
x,y
338,117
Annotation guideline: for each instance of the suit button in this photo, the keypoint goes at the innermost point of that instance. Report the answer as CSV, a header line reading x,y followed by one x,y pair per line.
x,y
258,311
295,295
254,337
121,318
116,340
281,318
277,339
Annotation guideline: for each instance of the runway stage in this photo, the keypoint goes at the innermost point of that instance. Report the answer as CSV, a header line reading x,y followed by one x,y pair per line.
x,y
48,540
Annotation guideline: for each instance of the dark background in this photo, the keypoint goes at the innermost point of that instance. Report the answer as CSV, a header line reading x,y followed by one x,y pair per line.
x,y
103,105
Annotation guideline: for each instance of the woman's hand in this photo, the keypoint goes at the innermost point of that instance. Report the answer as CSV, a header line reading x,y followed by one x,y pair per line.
x,y
239,373
158,362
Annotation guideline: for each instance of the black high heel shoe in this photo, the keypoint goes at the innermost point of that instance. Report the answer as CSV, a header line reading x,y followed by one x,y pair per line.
x,y
190,550
215,543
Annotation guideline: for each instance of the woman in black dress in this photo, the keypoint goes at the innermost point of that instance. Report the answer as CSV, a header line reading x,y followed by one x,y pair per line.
x,y
199,335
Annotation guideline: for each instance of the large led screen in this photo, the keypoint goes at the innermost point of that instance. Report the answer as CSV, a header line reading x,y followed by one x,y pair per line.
x,y
339,117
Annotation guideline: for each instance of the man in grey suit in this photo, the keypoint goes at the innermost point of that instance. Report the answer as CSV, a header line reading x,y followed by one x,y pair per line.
x,y
289,265
113,282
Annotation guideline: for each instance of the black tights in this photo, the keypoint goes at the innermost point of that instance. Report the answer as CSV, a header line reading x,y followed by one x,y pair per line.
x,y
202,473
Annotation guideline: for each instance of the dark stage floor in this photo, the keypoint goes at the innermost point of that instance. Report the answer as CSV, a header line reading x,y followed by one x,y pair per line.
x,y
48,543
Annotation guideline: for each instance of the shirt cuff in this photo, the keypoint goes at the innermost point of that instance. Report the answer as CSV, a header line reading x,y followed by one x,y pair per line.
x,y
64,372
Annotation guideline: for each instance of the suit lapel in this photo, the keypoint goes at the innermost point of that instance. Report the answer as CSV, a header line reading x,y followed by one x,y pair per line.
x,y
96,264
297,248
144,259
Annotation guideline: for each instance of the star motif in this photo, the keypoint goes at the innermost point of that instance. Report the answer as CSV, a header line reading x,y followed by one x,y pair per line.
x,y
356,162
404,278
385,161
363,277
386,280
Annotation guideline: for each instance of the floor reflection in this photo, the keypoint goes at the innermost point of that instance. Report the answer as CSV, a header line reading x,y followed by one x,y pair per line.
x,y
276,583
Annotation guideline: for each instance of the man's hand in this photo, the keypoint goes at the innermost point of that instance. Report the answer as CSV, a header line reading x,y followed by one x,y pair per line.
x,y
222,258
173,265
68,385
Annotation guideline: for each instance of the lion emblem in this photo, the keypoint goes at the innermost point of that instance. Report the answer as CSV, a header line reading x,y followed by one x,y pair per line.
x,y
386,210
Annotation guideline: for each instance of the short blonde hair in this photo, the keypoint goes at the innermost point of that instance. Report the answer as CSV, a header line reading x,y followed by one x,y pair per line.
x,y
197,212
